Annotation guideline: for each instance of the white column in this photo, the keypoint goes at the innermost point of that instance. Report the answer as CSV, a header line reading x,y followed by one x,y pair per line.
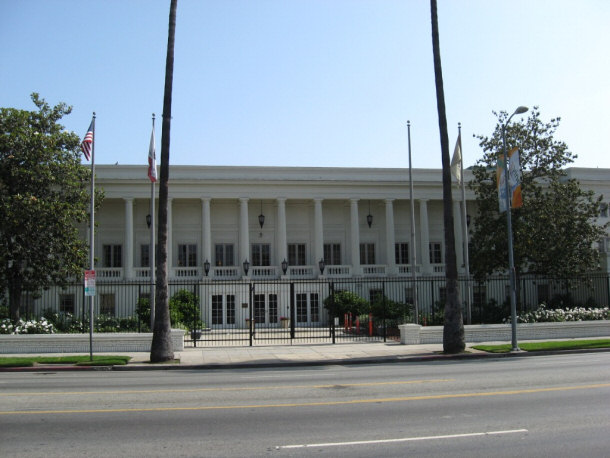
x,y
390,236
424,236
170,244
457,231
318,231
244,232
128,268
355,237
282,247
206,231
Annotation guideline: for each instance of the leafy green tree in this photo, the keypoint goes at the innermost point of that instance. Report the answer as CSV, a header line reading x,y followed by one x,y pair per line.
x,y
555,230
44,195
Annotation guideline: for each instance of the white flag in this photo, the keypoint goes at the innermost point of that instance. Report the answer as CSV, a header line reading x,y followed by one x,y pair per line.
x,y
152,160
456,161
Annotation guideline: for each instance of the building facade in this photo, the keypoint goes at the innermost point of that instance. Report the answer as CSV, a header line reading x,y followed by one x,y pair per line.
x,y
230,227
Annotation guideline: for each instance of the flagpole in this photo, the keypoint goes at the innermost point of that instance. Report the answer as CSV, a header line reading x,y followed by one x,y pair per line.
x,y
152,241
413,249
465,232
92,237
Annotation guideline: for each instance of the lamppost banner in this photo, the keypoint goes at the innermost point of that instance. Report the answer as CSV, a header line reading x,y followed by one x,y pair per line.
x,y
514,181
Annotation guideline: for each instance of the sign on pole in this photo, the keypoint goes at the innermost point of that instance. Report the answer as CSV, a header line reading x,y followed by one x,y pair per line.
x,y
89,282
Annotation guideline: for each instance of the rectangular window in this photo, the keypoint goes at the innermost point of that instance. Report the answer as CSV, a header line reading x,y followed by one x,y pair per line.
x,y
436,253
107,304
259,308
112,255
145,255
66,303
273,318
479,295
603,210
187,255
217,309
443,295
401,253
332,254
224,254
367,254
409,295
230,309
302,308
223,312
314,305
296,254
375,295
543,293
261,254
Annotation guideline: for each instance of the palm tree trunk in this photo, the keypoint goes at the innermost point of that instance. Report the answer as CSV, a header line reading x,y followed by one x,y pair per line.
x,y
453,330
161,348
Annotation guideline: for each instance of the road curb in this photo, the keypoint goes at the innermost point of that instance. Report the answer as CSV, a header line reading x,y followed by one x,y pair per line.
x,y
395,359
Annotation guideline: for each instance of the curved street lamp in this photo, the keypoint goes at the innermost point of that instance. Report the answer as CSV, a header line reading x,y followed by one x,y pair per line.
x,y
511,259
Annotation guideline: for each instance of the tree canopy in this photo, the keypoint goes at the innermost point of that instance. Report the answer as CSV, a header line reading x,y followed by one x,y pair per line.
x,y
555,230
44,195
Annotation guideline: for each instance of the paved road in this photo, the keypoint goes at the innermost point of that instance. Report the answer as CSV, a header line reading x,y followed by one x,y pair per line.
x,y
536,406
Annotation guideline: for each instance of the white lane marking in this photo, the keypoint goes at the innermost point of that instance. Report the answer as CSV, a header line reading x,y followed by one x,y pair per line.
x,y
404,439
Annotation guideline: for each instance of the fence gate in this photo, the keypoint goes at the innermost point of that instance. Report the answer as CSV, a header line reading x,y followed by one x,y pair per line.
x,y
277,313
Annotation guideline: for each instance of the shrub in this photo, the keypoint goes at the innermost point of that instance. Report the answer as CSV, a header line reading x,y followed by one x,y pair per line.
x,y
391,310
544,315
41,326
184,309
342,302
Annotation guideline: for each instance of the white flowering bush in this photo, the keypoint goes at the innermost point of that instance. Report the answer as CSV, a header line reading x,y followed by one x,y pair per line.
x,y
544,315
41,326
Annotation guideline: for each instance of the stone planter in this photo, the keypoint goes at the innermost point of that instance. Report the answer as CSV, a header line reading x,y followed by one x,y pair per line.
x,y
285,324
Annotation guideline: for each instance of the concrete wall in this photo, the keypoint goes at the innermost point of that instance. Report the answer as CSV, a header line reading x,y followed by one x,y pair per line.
x,y
414,334
79,343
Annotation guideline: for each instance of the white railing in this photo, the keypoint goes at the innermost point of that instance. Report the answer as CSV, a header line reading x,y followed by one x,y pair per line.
x,y
338,271
404,269
438,268
185,272
113,273
141,272
264,272
301,271
226,272
373,270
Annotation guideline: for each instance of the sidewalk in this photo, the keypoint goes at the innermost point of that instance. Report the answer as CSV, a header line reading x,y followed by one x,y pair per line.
x,y
294,355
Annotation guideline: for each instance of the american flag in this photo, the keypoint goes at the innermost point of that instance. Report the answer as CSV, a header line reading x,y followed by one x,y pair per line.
x,y
87,142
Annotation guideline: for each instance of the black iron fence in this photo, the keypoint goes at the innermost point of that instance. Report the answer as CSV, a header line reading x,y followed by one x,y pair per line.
x,y
284,311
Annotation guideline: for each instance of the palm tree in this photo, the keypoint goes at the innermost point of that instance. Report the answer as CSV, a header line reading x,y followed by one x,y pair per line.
x,y
453,331
161,348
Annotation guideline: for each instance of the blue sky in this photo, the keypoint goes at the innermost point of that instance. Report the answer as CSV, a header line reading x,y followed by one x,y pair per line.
x,y
309,82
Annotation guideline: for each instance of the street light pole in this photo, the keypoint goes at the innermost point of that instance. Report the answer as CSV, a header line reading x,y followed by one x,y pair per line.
x,y
511,259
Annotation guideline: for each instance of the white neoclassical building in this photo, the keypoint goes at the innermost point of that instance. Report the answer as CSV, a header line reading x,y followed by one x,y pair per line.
x,y
358,220
248,242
